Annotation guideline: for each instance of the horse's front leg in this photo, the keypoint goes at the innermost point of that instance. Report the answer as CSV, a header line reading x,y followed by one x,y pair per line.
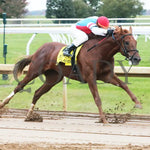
x,y
94,91
116,81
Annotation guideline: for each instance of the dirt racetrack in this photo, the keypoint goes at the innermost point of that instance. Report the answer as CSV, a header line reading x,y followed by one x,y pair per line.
x,y
74,131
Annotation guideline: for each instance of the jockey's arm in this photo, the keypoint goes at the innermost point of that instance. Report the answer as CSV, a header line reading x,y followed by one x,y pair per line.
x,y
96,30
99,31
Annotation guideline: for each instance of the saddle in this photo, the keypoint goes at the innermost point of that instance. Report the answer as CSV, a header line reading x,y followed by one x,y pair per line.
x,y
68,61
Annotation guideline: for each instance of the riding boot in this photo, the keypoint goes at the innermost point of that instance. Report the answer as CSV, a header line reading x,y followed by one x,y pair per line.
x,y
68,49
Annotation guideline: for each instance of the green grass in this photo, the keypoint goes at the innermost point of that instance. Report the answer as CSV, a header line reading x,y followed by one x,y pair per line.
x,y
17,48
79,96
17,45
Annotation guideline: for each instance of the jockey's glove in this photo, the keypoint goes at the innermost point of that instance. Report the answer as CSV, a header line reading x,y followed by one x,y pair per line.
x,y
110,32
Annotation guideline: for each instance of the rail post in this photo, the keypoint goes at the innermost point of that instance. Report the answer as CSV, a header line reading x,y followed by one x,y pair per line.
x,y
64,94
4,76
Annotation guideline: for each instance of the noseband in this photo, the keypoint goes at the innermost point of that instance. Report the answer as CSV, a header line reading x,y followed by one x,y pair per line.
x,y
124,48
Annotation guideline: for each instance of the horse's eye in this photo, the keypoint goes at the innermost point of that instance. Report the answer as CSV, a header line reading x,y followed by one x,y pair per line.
x,y
126,43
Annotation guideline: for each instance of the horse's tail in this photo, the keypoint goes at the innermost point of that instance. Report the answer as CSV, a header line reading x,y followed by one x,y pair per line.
x,y
20,65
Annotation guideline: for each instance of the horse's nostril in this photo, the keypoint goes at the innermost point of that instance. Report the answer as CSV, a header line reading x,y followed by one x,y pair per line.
x,y
137,59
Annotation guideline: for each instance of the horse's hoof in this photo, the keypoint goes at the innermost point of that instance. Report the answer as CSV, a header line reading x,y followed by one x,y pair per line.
x,y
106,123
138,106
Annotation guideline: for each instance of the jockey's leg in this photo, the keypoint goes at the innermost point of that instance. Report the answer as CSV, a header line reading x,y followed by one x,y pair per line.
x,y
68,49
80,37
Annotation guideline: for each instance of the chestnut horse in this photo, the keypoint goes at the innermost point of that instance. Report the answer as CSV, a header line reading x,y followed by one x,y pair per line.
x,y
94,64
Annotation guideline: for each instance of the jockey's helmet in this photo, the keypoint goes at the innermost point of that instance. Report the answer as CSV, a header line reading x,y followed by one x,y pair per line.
x,y
103,22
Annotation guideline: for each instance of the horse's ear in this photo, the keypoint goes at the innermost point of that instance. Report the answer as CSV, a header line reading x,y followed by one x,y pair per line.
x,y
121,30
117,29
130,29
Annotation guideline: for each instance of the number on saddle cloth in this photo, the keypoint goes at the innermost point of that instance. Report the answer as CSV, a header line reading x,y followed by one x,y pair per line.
x,y
68,61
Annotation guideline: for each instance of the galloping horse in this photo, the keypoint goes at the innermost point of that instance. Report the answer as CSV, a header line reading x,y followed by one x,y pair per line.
x,y
96,64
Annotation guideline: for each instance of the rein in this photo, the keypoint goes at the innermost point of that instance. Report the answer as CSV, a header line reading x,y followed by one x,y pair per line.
x,y
97,43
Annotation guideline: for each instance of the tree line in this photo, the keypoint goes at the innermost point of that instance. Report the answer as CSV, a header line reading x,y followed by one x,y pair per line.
x,y
85,8
13,8
77,8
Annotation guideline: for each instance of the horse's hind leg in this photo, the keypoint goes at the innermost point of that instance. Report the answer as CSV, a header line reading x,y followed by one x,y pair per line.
x,y
52,78
19,87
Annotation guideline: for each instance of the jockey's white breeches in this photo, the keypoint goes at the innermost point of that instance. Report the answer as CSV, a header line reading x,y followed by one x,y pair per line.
x,y
80,36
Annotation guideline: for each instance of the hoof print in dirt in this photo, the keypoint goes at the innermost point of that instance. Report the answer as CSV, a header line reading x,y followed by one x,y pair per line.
x,y
34,118
118,118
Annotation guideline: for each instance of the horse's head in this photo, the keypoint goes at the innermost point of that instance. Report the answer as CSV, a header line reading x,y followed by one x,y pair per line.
x,y
127,44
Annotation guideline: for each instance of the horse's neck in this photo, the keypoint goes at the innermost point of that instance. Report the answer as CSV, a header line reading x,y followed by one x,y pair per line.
x,y
112,50
107,48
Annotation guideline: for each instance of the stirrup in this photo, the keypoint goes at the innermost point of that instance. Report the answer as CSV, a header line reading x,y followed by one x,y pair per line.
x,y
66,53
67,50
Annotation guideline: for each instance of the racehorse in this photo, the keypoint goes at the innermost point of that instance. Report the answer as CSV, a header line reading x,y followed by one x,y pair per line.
x,y
93,64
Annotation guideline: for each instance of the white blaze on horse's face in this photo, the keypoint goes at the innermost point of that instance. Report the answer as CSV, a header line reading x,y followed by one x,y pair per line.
x,y
130,62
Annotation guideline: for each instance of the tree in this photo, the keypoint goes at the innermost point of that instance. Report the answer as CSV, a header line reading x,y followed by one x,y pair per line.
x,y
2,1
86,8
51,8
82,10
60,9
94,4
66,9
120,8
13,8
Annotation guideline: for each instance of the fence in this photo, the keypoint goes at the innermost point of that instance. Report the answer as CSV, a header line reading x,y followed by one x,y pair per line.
x,y
134,71
68,21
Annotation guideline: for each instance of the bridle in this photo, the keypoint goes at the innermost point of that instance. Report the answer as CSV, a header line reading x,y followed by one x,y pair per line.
x,y
124,48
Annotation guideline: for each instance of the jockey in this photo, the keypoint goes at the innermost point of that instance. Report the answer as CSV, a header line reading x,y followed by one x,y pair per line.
x,y
81,30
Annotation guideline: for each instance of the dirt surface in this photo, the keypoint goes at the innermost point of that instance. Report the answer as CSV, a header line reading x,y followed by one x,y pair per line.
x,y
73,133
90,146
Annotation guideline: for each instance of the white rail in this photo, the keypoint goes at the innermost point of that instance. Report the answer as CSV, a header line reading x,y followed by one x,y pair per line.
x,y
26,22
140,30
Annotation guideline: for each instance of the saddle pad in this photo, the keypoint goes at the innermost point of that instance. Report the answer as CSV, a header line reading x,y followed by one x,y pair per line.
x,y
67,60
